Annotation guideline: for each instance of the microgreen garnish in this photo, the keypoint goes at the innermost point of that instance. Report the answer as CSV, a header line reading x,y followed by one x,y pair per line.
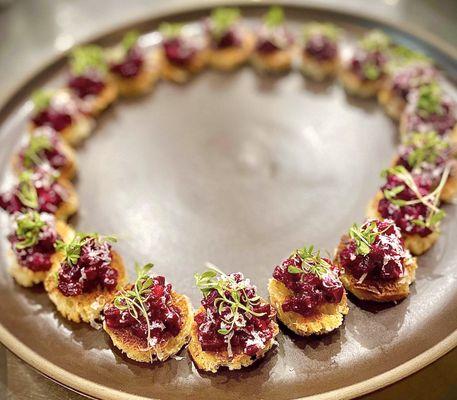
x,y
129,40
28,229
365,235
375,40
86,58
223,18
429,101
371,71
171,30
402,55
274,17
27,192
426,148
133,299
72,250
37,144
430,200
327,30
232,297
311,263
41,99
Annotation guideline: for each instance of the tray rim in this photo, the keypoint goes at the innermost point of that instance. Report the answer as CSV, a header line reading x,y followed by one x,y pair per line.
x,y
94,390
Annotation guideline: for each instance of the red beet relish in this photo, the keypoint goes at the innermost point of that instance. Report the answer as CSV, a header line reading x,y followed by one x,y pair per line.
x,y
164,317
56,119
385,259
50,194
54,156
248,336
442,122
38,256
404,215
179,51
321,48
92,270
131,65
90,84
230,38
309,290
410,78
271,41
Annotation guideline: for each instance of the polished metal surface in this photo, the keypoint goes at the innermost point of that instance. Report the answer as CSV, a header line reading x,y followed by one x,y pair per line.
x,y
237,169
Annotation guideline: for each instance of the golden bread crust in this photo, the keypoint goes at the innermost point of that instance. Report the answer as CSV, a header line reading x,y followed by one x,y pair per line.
x,y
415,243
104,99
133,347
318,70
393,104
212,361
276,62
230,58
85,307
70,205
357,87
329,317
25,276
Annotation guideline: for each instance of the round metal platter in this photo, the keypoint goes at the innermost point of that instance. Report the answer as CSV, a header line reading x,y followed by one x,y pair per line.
x,y
237,169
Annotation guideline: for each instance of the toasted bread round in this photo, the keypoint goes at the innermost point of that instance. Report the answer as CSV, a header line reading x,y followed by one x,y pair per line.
x,y
318,70
134,347
212,361
357,87
70,204
103,100
329,316
181,75
25,276
382,291
230,58
276,62
85,307
415,243
393,104
142,82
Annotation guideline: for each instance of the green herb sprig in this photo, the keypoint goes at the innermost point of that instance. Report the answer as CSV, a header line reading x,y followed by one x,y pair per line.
x,y
371,71
231,296
431,200
326,29
35,147
401,56
223,18
375,40
365,235
41,99
426,148
87,58
26,191
72,250
132,299
28,229
274,17
312,262
129,40
429,101
171,30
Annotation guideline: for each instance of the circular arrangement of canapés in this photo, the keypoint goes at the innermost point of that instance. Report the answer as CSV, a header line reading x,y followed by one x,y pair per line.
x,y
84,275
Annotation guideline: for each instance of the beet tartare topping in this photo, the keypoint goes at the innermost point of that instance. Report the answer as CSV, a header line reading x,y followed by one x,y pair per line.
x,y
127,59
426,154
430,109
233,318
86,265
313,281
145,309
56,109
411,202
224,29
38,190
320,41
33,240
406,79
370,58
273,36
373,252
43,147
180,47
88,71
